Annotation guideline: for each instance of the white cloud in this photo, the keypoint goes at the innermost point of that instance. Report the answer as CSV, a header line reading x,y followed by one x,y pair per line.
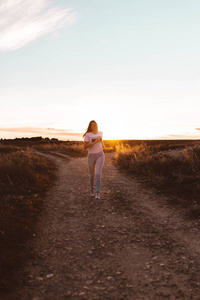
x,y
22,22
13,132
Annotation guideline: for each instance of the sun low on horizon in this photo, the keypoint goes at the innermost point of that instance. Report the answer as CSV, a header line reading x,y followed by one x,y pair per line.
x,y
132,66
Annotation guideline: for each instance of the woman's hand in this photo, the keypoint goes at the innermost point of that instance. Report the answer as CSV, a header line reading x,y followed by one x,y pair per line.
x,y
98,140
88,145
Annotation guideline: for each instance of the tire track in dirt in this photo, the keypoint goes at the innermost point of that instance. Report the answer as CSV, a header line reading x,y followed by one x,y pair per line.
x,y
128,245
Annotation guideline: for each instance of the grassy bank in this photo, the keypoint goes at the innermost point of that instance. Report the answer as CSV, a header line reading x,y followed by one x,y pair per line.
x,y
172,170
24,178
73,149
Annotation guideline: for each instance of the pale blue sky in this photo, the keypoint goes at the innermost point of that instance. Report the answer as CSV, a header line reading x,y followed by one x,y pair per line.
x,y
133,66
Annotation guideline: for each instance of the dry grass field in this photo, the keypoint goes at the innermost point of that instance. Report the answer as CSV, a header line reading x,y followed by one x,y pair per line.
x,y
171,167
24,178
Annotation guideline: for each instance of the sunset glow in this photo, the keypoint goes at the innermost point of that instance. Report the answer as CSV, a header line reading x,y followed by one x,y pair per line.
x,y
133,66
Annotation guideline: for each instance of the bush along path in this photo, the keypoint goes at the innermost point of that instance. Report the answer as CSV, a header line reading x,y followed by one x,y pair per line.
x,y
24,179
128,245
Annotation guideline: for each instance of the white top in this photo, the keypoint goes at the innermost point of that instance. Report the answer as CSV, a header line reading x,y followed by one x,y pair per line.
x,y
91,137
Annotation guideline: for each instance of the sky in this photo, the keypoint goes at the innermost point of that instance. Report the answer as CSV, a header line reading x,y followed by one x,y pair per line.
x,y
131,65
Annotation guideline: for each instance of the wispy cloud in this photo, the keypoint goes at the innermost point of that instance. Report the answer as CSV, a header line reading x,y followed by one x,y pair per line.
x,y
180,136
190,133
36,131
22,22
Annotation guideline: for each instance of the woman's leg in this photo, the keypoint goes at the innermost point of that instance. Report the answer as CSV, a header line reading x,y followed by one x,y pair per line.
x,y
99,165
91,166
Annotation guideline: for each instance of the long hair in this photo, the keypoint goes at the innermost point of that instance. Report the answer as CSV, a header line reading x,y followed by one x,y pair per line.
x,y
89,129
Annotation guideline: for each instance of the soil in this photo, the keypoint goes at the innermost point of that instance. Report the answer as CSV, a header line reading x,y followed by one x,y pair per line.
x,y
130,244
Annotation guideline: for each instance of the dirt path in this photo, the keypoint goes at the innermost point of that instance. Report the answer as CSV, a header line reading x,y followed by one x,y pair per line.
x,y
127,245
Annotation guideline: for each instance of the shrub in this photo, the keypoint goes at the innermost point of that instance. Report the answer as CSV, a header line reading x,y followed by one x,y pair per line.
x,y
24,177
176,172
72,149
21,169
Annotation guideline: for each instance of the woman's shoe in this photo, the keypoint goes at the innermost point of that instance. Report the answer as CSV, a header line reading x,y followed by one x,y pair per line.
x,y
97,196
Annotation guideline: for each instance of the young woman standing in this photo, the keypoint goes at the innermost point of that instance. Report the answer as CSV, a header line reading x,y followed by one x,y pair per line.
x,y
93,142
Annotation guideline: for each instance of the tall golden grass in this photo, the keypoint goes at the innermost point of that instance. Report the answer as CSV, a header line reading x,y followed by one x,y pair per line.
x,y
24,177
175,172
74,149
23,168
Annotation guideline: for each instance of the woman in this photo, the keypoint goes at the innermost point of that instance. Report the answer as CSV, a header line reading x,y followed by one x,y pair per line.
x,y
93,142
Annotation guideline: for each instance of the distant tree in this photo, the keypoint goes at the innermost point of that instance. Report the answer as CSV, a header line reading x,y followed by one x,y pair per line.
x,y
37,138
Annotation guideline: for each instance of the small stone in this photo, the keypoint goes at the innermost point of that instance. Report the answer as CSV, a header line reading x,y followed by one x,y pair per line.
x,y
148,266
110,278
162,265
49,275
155,257
111,288
68,248
99,288
39,278
94,267
118,273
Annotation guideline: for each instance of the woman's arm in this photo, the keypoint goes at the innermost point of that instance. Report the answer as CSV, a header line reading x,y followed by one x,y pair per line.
x,y
87,144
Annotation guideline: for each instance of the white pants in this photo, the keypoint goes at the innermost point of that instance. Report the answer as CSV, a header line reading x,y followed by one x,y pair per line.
x,y
95,160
